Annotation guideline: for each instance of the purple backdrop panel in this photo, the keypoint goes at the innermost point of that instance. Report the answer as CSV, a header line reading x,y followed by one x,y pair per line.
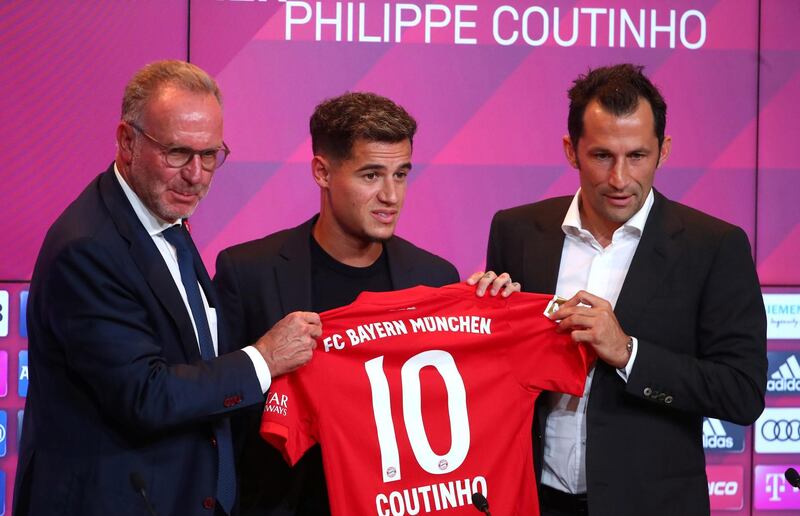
x,y
65,65
778,177
487,82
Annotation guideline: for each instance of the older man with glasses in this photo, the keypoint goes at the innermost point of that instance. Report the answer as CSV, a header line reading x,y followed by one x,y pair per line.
x,y
132,385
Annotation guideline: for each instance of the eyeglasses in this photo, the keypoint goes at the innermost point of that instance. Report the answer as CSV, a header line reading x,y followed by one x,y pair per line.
x,y
177,157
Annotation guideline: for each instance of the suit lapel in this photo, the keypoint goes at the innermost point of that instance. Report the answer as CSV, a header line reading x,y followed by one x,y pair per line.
x,y
654,258
149,261
293,274
541,253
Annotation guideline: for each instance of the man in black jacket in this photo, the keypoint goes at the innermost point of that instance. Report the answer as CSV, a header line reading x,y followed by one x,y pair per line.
x,y
667,296
362,147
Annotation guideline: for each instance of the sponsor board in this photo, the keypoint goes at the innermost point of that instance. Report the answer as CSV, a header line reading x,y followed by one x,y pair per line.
x,y
3,433
722,436
22,374
771,491
725,487
783,316
23,314
783,376
4,309
3,374
777,430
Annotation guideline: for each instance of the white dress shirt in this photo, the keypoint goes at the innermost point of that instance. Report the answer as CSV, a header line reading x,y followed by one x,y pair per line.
x,y
585,265
154,227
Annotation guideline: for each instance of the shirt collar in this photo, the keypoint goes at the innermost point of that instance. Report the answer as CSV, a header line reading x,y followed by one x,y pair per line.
x,y
151,222
572,224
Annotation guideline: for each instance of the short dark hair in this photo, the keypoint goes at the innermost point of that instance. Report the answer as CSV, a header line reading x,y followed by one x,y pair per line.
x,y
618,89
339,121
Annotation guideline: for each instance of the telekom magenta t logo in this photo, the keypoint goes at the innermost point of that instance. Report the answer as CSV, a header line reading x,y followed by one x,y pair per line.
x,y
772,491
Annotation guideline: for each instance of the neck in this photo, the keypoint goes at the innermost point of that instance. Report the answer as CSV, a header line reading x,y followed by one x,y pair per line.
x,y
345,248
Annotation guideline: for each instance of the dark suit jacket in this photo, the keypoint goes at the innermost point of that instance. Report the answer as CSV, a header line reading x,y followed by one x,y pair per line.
x,y
692,298
261,281
117,385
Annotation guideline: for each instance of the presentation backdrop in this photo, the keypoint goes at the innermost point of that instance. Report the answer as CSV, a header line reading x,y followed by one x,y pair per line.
x,y
487,83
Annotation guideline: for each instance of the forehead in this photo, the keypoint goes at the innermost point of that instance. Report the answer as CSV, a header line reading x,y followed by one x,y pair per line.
x,y
599,124
368,150
173,107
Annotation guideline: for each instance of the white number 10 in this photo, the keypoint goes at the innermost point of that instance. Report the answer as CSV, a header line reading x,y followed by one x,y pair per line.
x,y
412,414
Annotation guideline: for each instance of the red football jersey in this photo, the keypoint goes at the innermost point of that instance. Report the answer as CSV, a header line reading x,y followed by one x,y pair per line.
x,y
422,397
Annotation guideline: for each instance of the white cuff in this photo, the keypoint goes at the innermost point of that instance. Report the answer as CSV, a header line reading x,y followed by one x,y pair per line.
x,y
625,373
261,367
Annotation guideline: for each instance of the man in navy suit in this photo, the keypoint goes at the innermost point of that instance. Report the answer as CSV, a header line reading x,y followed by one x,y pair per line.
x,y
362,146
132,384
667,296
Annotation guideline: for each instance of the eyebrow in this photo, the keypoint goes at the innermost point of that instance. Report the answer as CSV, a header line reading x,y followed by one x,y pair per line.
x,y
373,166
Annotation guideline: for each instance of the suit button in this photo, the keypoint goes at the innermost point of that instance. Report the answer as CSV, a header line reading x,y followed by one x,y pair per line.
x,y
208,503
214,442
647,391
668,400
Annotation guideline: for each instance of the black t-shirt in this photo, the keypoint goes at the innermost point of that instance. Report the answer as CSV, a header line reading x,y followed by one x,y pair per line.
x,y
334,284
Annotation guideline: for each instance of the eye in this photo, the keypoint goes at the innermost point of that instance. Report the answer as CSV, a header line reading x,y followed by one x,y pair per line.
x,y
180,153
370,176
401,175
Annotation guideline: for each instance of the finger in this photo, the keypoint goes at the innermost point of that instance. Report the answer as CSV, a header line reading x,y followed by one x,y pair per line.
x,y
587,298
474,278
484,282
309,317
571,302
578,320
499,282
566,311
511,287
583,336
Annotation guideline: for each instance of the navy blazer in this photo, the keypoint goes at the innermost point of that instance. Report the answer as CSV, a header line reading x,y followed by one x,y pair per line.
x,y
261,281
692,299
117,384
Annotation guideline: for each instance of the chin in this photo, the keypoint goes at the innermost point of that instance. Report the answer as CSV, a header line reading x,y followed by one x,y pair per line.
x,y
380,236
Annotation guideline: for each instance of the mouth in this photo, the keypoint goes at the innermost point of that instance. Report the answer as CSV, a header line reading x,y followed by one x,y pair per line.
x,y
619,200
385,216
185,196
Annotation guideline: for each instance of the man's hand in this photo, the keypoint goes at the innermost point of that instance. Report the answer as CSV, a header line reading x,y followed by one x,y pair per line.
x,y
493,282
596,325
289,343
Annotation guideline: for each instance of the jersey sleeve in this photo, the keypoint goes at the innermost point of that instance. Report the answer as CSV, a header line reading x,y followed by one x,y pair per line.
x,y
288,419
542,358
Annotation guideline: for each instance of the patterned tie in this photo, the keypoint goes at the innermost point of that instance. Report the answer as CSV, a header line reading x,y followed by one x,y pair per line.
x,y
226,475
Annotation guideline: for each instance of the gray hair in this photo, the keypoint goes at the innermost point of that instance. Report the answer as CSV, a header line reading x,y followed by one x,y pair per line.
x,y
147,82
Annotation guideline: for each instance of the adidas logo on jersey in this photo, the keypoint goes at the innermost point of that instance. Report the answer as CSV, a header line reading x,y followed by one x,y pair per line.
x,y
786,378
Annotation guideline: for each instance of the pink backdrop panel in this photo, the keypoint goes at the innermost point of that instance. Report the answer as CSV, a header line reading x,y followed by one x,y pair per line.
x,y
65,65
779,126
491,115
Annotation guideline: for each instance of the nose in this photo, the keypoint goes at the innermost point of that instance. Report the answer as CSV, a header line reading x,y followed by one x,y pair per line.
x,y
388,192
619,175
192,172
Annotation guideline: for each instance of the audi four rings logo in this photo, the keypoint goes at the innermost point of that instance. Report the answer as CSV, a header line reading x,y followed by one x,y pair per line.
x,y
781,430
778,431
